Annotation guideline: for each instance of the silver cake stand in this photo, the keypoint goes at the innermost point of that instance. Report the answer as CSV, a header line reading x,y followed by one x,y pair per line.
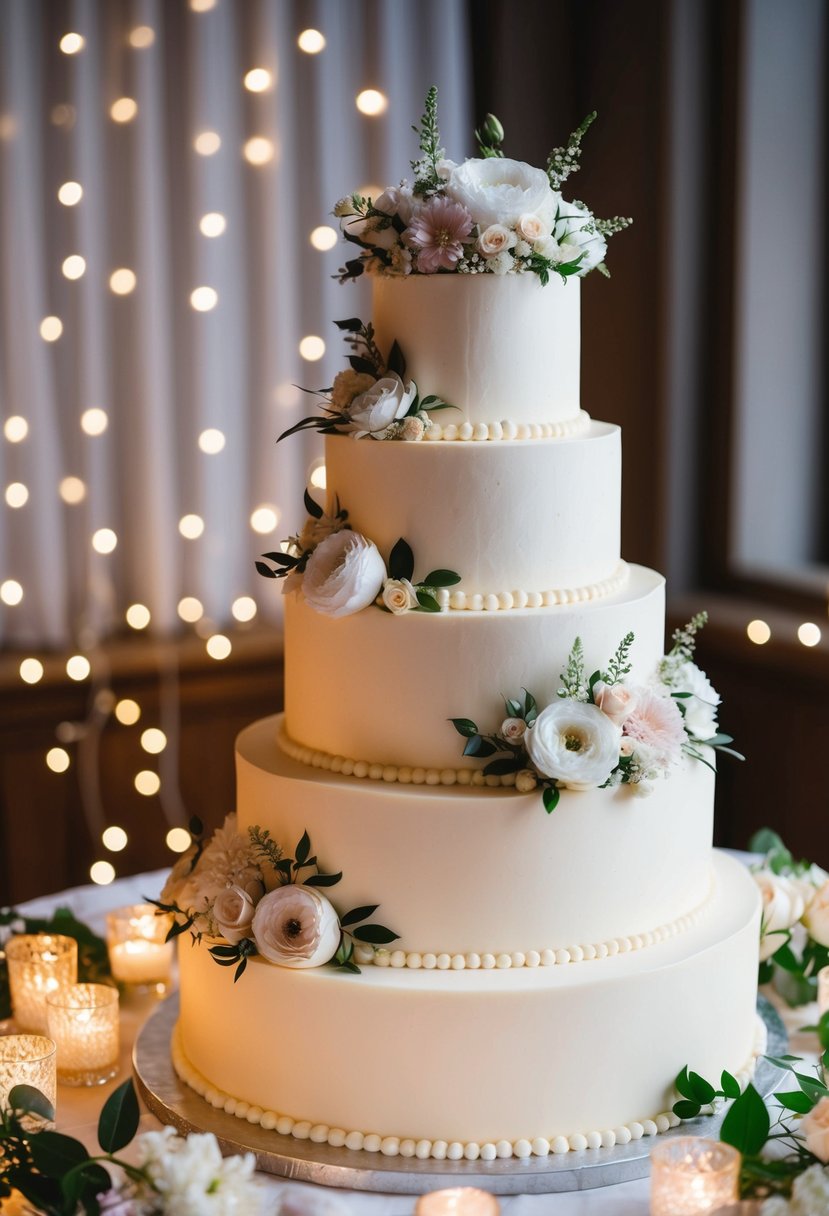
x,y
175,1103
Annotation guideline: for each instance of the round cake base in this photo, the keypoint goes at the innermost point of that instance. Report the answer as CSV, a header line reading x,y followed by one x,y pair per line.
x,y
173,1102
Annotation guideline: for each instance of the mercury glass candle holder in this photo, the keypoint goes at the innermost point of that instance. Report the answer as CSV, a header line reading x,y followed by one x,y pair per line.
x,y
38,963
27,1059
458,1201
691,1176
83,1021
138,953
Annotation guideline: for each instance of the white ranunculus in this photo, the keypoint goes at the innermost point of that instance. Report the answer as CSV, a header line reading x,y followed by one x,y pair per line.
x,y
816,918
574,743
615,700
701,707
399,595
233,912
576,227
497,190
782,909
344,574
295,926
495,239
373,412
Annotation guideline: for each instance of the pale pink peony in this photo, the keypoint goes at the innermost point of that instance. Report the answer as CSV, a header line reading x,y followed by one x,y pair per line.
x,y
296,926
437,233
657,722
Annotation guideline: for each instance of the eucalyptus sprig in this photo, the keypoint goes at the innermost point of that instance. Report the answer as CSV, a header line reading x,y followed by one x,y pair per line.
x,y
425,168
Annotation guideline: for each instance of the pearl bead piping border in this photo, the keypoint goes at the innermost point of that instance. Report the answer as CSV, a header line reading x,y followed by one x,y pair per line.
x,y
504,601
437,1150
506,430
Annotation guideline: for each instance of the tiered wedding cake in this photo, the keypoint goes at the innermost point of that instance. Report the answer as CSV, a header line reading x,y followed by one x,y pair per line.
x,y
561,938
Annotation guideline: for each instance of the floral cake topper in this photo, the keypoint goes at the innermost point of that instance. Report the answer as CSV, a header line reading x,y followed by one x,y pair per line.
x,y
485,215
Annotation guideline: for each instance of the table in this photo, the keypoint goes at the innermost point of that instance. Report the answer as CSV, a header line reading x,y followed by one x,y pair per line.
x,y
78,1108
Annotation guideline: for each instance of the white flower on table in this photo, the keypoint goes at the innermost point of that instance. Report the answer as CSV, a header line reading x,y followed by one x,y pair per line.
x,y
192,1178
295,926
782,909
344,574
574,743
497,190
374,410
398,595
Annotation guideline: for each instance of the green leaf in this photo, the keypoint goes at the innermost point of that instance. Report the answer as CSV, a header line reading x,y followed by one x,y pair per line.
x,y
264,570
119,1118
55,1154
313,508
729,1085
464,726
351,325
784,957
703,1091
499,768
766,841
30,1101
358,914
396,362
401,560
683,1085
550,798
323,880
441,578
240,969
747,1124
479,746
360,364
426,601
302,850
513,708
687,1110
375,935
795,1100
810,1085
82,1184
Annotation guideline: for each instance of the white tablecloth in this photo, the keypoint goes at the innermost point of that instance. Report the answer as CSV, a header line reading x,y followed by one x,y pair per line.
x,y
78,1108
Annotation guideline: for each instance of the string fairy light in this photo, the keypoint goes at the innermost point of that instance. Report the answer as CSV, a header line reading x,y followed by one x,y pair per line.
x,y
204,299
207,143
11,592
102,873
178,840
74,266
122,281
15,428
147,782
70,194
758,632
258,80
72,43
124,109
17,495
312,348
212,224
243,608
371,102
218,646
808,634
141,37
114,839
323,238
57,759
94,421
311,42
104,540
153,740
191,527
258,150
190,609
72,490
264,518
212,441
127,711
138,616
31,671
51,328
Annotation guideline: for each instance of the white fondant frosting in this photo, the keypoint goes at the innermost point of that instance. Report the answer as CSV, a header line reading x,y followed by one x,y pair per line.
x,y
493,347
541,517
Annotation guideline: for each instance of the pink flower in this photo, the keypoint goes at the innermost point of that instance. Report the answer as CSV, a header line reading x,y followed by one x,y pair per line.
x,y
437,233
657,723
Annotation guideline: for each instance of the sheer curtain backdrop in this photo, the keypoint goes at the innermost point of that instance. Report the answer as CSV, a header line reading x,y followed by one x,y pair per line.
x,y
157,277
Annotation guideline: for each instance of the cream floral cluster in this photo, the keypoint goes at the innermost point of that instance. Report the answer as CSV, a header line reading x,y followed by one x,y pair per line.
x,y
792,900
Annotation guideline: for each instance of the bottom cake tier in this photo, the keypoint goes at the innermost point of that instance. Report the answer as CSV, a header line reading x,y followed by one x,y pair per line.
x,y
477,1063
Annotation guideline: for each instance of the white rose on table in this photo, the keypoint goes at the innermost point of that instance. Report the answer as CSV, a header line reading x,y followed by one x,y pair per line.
x,y
398,595
574,743
615,700
576,226
233,911
782,909
295,926
701,707
815,1126
344,575
373,411
495,239
816,918
497,190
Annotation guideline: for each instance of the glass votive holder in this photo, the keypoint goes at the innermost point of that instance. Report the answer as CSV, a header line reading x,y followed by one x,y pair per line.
x,y
83,1021
692,1176
27,1059
138,953
38,963
458,1201
823,990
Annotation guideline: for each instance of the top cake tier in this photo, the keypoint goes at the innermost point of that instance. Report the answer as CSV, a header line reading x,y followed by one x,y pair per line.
x,y
501,349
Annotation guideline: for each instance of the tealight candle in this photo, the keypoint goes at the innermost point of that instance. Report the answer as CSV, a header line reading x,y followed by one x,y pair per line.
x,y
39,963
83,1021
458,1201
27,1059
138,952
691,1176
823,990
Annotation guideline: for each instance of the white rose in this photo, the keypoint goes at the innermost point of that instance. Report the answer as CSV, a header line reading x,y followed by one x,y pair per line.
x,y
349,384
576,226
344,574
525,781
295,926
532,228
614,700
782,909
399,595
574,743
496,190
373,412
494,239
513,729
233,912
816,918
397,200
815,1126
701,706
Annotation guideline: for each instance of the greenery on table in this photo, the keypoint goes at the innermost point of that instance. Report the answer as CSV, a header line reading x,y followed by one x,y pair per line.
x,y
93,961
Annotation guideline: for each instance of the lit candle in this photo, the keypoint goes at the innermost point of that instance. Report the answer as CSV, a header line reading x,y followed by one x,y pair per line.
x,y
39,963
27,1059
138,953
458,1201
691,1176
83,1021
823,990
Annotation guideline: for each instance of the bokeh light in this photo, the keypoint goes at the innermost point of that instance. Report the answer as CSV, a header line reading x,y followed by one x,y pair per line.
x,y
258,80
218,646
94,421
123,110
73,267
11,592
190,609
808,634
147,782
204,299
311,42
312,348
138,616
104,540
212,441
72,43
122,281
78,667
207,143
264,518
371,102
153,740
114,839
15,428
51,329
127,711
102,873
258,150
72,490
758,632
31,671
57,759
212,224
243,608
191,526
178,840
